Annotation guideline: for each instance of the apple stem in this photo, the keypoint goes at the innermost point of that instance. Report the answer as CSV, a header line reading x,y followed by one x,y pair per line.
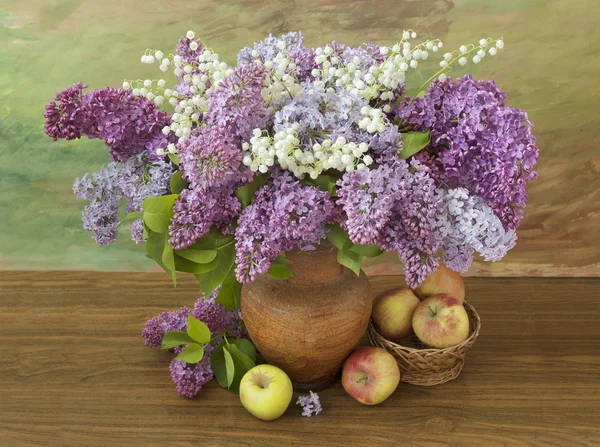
x,y
363,379
433,312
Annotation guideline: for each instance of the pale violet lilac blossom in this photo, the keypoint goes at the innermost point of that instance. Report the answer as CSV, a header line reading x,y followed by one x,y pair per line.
x,y
133,181
237,103
468,224
311,404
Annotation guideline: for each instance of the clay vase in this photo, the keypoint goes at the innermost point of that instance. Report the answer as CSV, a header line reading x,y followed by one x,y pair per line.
x,y
308,324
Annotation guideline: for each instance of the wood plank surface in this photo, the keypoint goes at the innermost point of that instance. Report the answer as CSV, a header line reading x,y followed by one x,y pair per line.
x,y
74,372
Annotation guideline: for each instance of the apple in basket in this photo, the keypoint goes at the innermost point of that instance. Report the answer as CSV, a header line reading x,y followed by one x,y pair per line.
x,y
441,321
393,311
443,280
370,375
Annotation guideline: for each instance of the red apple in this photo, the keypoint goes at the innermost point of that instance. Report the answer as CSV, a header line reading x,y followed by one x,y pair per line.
x,y
370,375
441,321
393,311
443,280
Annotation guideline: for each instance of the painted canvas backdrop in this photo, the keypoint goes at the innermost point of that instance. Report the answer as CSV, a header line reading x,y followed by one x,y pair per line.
x,y
549,67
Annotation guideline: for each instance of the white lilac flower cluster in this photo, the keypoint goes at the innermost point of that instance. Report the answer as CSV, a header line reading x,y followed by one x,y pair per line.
x,y
373,119
476,52
285,149
282,81
378,80
201,74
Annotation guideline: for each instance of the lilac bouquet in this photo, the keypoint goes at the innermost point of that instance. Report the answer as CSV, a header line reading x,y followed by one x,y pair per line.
x,y
228,168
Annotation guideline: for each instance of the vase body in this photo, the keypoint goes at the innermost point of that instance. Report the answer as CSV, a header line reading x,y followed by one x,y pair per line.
x,y
308,324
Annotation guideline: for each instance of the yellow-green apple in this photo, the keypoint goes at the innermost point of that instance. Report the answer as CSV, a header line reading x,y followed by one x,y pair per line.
x,y
443,280
370,375
393,311
266,392
441,321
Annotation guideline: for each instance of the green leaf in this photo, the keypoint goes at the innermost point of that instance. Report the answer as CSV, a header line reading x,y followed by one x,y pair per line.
x,y
375,260
279,271
229,295
178,184
211,280
184,265
242,358
217,364
158,212
242,364
369,251
213,240
168,259
197,330
245,346
337,236
156,245
349,259
281,259
229,367
172,339
192,353
413,142
135,215
198,256
174,158
246,192
325,182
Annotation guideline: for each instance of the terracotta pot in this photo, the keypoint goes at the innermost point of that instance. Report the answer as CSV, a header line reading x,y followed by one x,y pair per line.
x,y
308,324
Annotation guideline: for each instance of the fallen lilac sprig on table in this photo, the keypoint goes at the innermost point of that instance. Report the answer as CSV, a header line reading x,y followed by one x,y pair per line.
x,y
311,404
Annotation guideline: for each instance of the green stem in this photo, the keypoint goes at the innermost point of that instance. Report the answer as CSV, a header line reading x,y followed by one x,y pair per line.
x,y
225,331
449,66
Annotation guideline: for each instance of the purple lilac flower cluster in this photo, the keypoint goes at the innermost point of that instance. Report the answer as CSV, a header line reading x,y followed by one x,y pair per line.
x,y
395,207
127,124
206,310
286,214
196,210
237,104
477,143
190,378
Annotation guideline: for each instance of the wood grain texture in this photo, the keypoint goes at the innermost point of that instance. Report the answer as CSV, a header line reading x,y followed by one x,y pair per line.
x,y
74,372
549,68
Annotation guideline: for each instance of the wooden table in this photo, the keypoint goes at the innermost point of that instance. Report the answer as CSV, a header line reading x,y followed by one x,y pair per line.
x,y
74,372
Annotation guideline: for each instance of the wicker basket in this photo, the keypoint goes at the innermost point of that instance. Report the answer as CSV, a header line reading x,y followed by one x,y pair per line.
x,y
424,366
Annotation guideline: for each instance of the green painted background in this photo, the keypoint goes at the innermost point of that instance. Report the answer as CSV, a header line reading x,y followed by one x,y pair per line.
x,y
550,67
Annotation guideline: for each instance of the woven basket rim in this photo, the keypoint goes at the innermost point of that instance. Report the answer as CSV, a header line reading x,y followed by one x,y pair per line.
x,y
474,333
